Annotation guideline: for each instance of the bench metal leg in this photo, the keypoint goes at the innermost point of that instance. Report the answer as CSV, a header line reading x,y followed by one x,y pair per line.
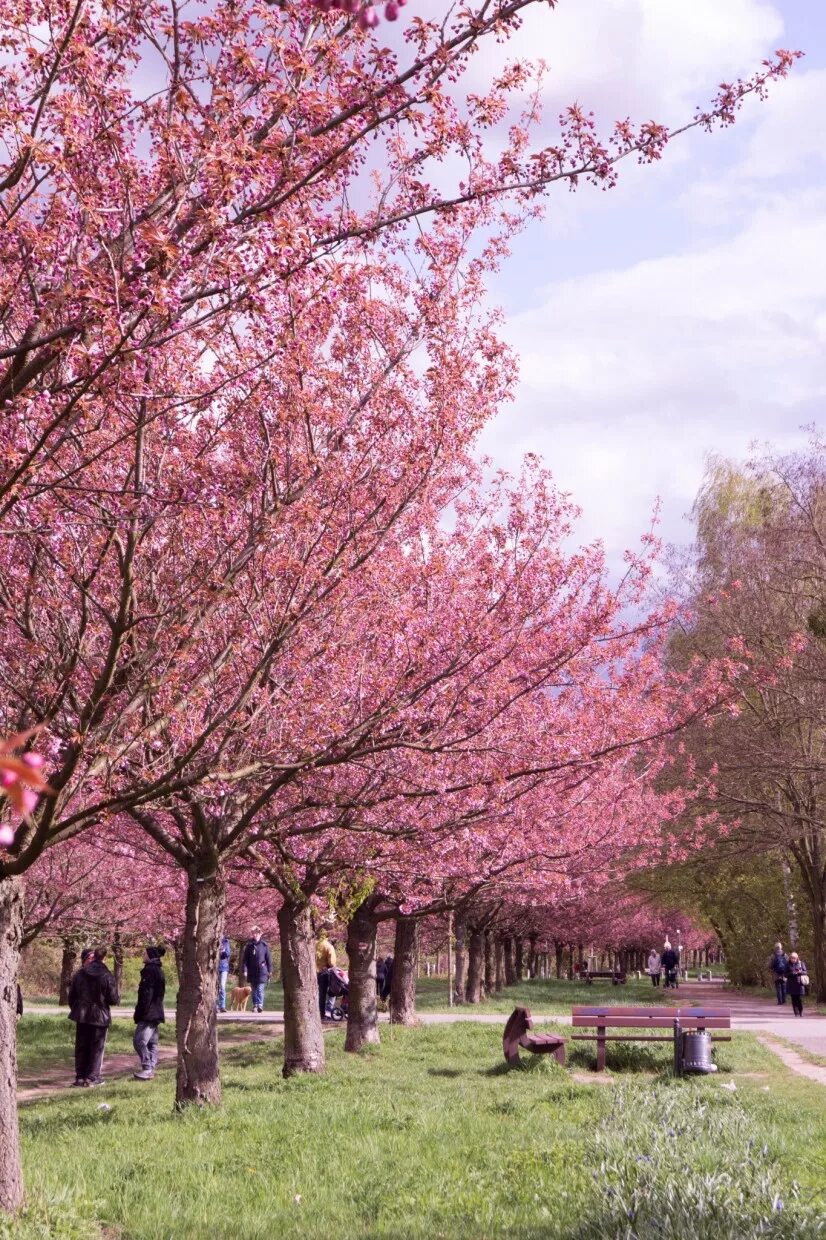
x,y
678,1048
600,1050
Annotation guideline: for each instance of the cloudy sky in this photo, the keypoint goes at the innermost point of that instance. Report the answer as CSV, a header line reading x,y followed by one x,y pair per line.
x,y
684,312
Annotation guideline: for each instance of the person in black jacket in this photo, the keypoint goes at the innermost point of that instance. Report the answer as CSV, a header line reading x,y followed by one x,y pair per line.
x,y
149,1012
91,995
257,967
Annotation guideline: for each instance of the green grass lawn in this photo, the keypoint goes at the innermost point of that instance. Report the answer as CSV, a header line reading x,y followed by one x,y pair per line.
x,y
432,1135
550,996
45,1042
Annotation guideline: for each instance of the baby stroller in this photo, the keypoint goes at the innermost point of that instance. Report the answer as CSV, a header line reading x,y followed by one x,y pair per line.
x,y
338,994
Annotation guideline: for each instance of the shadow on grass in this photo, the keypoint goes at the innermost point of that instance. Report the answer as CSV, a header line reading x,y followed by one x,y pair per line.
x,y
450,1073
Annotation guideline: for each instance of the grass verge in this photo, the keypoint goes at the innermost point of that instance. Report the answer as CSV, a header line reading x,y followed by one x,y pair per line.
x,y
432,1135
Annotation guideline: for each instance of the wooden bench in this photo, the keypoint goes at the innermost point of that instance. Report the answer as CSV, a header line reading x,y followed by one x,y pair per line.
x,y
516,1034
677,1020
616,978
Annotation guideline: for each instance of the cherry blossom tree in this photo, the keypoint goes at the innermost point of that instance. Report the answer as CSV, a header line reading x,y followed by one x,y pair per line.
x,y
211,413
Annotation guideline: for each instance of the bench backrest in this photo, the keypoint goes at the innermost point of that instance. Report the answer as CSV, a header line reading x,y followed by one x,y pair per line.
x,y
652,1017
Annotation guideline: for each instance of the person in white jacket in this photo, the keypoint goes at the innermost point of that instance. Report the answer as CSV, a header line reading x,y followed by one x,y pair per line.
x,y
654,966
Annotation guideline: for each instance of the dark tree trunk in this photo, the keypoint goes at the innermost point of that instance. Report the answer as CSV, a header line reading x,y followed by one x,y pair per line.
x,y
500,965
405,968
178,957
581,958
363,1016
117,958
490,963
67,968
476,960
817,966
519,958
303,1034
461,962
510,968
558,953
239,972
11,935
198,1079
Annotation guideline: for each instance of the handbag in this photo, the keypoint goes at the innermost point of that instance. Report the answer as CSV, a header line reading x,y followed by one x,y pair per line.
x,y
804,979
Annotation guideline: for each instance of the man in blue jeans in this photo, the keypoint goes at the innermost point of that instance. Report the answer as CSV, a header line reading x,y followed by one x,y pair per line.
x,y
257,967
224,952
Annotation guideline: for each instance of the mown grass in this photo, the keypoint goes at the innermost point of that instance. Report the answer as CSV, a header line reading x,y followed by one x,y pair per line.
x,y
431,1135
550,996
46,1042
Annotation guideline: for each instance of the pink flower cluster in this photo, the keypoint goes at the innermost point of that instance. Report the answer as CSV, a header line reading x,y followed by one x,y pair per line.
x,y
366,15
21,781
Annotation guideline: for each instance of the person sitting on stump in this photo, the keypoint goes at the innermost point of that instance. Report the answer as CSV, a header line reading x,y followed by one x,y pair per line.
x,y
149,1013
92,994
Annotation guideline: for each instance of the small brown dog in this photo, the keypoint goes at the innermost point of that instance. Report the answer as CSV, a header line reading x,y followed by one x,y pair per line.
x,y
239,998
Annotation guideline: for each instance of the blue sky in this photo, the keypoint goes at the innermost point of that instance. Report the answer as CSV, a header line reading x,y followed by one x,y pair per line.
x,y
683,313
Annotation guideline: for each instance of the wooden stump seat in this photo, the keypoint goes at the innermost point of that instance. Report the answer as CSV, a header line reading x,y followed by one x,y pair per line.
x,y
516,1034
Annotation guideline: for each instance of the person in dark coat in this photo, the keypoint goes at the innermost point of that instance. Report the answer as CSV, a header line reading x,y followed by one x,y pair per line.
x,y
380,968
778,964
795,986
388,978
257,967
92,994
149,1013
670,960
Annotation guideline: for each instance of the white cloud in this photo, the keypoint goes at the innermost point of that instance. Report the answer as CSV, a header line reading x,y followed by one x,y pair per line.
x,y
629,377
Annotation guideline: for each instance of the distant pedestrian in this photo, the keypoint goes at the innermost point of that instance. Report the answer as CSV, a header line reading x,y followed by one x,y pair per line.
x,y
257,967
224,953
380,969
670,961
778,964
797,982
388,978
149,1013
325,959
92,994
654,966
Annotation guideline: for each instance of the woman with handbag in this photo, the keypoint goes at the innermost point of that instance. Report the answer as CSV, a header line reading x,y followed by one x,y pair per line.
x,y
797,982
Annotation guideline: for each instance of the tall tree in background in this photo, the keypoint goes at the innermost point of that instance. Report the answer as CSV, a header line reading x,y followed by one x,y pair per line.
x,y
758,587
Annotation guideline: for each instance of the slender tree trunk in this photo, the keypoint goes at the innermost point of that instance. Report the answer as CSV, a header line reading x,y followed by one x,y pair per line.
x,y
303,1034
476,960
11,934
178,957
791,908
198,1079
461,962
363,1017
67,968
581,958
117,958
510,968
817,967
490,963
500,965
558,953
519,957
239,972
405,969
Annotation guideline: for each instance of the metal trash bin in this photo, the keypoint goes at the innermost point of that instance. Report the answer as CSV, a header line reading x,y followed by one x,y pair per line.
x,y
696,1055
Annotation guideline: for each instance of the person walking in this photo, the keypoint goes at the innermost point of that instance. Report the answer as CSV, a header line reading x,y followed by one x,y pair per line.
x,y
654,966
778,965
257,967
387,981
224,953
92,994
797,982
670,961
325,959
149,1013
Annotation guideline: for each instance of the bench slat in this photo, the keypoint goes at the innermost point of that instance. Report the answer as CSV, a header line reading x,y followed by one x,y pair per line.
x,y
659,1022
